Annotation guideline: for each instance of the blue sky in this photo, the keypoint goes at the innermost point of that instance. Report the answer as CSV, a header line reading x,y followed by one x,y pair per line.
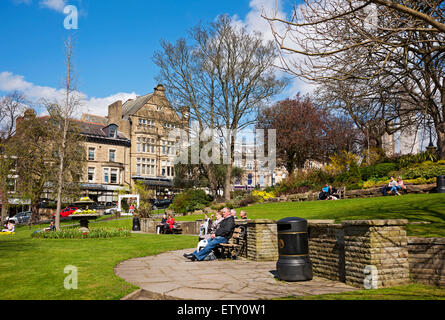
x,y
114,44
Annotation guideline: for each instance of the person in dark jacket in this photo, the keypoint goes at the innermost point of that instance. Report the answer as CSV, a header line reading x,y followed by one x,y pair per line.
x,y
221,235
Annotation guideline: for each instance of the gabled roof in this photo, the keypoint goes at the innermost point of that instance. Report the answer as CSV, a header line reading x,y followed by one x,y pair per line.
x,y
132,106
97,130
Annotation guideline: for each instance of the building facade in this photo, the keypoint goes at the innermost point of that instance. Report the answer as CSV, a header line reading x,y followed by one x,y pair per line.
x,y
108,156
132,143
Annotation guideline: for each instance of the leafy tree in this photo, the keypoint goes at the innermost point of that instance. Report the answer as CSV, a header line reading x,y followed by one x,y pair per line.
x,y
306,131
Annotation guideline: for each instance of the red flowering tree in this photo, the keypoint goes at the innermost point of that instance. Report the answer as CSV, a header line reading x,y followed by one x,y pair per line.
x,y
305,131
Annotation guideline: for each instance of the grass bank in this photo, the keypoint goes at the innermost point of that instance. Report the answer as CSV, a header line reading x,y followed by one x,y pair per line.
x,y
33,269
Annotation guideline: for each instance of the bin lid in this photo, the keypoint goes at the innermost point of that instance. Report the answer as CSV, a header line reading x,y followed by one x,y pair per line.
x,y
292,224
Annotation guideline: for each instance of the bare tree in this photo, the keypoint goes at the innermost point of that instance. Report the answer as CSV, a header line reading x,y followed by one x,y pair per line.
x,y
66,134
11,107
393,50
224,74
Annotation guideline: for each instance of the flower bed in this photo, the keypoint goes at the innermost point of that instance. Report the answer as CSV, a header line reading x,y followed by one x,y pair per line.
x,y
74,233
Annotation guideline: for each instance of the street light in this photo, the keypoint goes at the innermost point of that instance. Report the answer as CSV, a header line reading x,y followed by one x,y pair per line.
x,y
431,148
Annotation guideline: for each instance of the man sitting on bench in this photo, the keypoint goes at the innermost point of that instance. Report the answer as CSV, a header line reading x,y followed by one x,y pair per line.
x,y
221,235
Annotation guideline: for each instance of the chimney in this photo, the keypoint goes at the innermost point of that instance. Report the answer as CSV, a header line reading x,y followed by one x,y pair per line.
x,y
115,112
185,114
159,90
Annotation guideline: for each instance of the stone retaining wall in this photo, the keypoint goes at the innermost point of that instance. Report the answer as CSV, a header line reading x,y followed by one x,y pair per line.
x,y
360,193
262,241
427,260
327,250
379,243
343,251
188,227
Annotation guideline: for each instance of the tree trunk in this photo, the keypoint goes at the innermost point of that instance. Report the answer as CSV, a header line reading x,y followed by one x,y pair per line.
x,y
4,206
228,182
35,215
60,176
440,131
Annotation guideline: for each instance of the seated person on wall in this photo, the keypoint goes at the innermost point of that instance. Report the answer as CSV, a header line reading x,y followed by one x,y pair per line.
x,y
324,194
400,186
222,235
333,195
233,213
392,183
243,215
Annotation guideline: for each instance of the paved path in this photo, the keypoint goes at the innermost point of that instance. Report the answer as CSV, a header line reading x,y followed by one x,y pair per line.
x,y
170,276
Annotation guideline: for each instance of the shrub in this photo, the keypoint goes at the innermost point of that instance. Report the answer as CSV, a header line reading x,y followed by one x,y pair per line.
x,y
249,199
74,233
381,170
217,206
292,185
263,195
410,159
354,186
190,200
425,170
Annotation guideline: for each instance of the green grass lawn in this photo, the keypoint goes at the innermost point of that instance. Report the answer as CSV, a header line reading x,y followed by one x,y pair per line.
x,y
34,268
415,207
408,292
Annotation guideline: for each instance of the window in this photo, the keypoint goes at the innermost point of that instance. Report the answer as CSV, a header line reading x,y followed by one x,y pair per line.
x,y
112,155
144,166
90,174
106,175
138,167
249,179
152,167
91,154
163,147
114,173
139,144
112,131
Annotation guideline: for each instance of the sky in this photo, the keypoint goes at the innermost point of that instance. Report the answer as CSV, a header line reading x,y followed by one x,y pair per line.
x,y
113,45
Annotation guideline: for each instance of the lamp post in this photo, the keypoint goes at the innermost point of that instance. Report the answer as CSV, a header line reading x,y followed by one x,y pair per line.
x,y
431,149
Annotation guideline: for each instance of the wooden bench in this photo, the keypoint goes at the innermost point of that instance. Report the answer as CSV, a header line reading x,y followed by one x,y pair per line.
x,y
341,193
177,229
232,248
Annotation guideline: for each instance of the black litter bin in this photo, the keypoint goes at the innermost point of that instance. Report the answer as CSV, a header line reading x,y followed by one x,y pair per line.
x,y
293,250
441,184
136,224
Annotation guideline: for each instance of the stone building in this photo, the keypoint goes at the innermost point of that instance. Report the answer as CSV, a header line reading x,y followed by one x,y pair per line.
x,y
147,122
256,172
108,156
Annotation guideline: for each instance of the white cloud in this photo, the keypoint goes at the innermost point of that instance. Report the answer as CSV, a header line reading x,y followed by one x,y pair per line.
x,y
254,22
36,94
57,5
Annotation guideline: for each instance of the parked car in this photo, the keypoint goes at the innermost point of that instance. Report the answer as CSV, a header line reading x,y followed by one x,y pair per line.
x,y
20,217
67,211
110,204
112,210
160,204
